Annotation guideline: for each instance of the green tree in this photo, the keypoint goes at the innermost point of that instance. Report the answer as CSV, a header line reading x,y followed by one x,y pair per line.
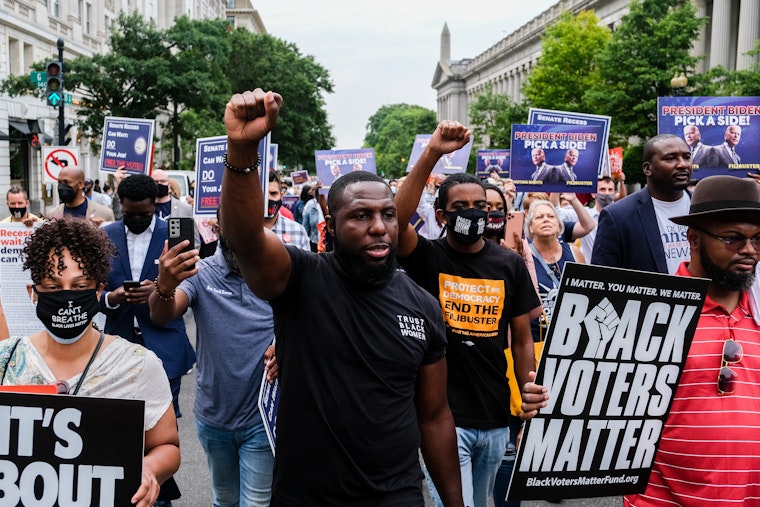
x,y
270,63
391,132
200,51
491,119
565,69
125,82
128,81
188,73
650,47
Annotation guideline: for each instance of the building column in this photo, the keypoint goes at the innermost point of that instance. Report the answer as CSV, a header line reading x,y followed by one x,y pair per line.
x,y
721,34
749,32
700,45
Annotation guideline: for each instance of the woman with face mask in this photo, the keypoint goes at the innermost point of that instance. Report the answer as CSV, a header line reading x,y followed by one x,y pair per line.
x,y
69,262
544,228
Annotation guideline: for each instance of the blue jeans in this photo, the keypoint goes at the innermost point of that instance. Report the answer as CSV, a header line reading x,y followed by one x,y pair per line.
x,y
504,473
480,454
240,463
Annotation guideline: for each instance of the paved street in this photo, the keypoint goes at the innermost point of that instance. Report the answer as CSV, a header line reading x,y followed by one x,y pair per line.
x,y
193,478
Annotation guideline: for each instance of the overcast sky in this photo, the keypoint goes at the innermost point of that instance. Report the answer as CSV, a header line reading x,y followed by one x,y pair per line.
x,y
385,51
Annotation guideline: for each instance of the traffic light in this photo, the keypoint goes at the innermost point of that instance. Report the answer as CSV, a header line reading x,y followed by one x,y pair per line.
x,y
54,92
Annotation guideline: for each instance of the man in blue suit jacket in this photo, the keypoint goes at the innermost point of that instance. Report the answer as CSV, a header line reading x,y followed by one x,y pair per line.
x,y
139,239
629,234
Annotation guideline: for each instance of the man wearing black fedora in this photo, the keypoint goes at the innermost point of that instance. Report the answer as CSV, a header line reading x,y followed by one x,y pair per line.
x,y
709,453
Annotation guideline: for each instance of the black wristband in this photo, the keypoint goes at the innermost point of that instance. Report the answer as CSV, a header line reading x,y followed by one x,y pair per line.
x,y
242,170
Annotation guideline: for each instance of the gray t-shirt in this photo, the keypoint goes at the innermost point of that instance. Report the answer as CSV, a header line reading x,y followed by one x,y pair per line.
x,y
234,330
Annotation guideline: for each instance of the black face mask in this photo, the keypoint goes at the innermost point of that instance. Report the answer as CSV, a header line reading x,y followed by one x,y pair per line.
x,y
495,225
17,213
467,226
273,208
138,224
66,193
163,190
66,314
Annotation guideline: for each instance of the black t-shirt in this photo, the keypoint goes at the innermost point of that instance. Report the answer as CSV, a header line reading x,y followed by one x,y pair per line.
x,y
479,294
348,359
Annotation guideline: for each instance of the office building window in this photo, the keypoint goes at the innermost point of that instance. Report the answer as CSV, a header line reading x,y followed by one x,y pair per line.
x,y
88,18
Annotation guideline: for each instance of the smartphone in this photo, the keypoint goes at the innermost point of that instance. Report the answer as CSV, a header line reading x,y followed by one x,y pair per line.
x,y
131,284
515,222
180,229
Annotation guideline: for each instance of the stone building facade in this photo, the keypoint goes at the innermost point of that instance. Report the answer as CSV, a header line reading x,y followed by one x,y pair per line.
x,y
29,31
732,30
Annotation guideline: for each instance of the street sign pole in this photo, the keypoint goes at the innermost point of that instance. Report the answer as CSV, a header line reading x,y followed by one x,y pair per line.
x,y
61,117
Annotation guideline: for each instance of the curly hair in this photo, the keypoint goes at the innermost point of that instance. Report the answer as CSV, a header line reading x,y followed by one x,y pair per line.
x,y
138,187
89,245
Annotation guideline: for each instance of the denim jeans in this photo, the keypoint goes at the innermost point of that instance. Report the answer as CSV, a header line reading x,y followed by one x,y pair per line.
x,y
240,463
480,454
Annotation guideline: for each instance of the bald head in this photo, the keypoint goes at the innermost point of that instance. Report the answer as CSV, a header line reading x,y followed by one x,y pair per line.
x,y
160,176
72,174
72,177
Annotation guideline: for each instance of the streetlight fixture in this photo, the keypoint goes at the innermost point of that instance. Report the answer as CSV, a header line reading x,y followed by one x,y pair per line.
x,y
678,84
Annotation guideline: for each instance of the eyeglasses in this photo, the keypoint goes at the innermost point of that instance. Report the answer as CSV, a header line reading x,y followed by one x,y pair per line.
x,y
733,243
732,353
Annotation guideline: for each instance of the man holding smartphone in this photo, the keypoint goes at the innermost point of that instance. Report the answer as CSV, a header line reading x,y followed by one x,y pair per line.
x,y
139,238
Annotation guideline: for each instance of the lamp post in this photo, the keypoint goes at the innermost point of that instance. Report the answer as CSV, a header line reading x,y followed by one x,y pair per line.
x,y
678,84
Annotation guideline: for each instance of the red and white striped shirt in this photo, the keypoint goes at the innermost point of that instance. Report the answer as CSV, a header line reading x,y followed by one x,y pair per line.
x,y
709,454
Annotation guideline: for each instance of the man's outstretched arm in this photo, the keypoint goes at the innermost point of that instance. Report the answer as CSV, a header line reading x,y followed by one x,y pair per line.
x,y
264,262
449,136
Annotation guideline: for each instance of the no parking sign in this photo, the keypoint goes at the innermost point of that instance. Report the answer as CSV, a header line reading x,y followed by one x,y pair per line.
x,y
56,158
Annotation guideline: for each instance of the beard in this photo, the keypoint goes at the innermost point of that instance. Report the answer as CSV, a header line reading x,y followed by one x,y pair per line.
x,y
362,272
729,280
229,256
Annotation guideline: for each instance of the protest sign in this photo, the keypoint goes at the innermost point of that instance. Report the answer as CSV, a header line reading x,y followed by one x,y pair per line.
x,y
299,177
492,160
616,160
269,401
449,163
611,364
551,117
69,450
209,170
127,142
273,153
555,158
723,133
17,305
289,201
332,164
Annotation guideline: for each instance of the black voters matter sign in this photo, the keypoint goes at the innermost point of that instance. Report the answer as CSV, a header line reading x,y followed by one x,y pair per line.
x,y
614,353
69,450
